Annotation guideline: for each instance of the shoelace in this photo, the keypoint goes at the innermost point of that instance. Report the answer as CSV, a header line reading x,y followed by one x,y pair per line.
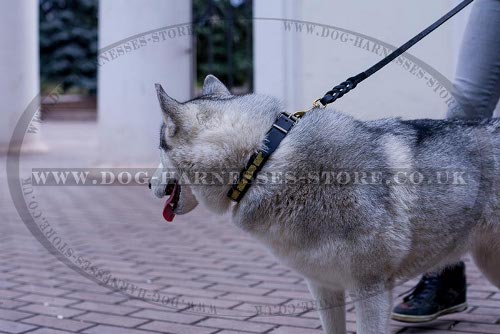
x,y
425,287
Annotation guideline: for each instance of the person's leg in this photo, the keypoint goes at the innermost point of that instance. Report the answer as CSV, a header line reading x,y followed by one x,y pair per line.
x,y
477,79
477,91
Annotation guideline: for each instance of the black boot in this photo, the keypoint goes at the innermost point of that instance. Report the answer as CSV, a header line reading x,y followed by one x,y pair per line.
x,y
435,295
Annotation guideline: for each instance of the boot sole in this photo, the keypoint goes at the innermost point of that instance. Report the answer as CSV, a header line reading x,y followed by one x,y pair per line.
x,y
429,317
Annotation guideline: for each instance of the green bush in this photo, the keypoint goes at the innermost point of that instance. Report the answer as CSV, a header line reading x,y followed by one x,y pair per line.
x,y
212,20
69,35
68,45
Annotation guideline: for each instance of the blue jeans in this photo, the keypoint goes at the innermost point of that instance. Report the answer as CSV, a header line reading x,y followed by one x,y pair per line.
x,y
477,81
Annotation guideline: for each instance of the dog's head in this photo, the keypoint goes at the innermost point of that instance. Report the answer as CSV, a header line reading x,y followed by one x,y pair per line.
x,y
207,141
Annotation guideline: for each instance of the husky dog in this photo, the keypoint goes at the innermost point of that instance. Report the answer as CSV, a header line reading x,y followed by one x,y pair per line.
x,y
358,238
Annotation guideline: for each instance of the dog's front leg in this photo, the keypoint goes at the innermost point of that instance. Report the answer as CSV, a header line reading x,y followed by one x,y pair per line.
x,y
373,308
331,307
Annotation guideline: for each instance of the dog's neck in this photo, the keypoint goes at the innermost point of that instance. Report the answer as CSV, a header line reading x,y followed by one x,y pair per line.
x,y
229,147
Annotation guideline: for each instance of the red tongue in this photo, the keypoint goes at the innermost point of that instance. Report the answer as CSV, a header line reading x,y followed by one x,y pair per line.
x,y
168,210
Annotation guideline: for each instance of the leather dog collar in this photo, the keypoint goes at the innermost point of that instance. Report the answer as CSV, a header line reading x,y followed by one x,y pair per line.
x,y
280,128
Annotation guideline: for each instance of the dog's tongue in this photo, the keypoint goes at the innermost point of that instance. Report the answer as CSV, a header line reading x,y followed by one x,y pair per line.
x,y
168,210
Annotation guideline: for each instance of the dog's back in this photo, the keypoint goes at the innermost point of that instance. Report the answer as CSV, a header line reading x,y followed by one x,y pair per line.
x,y
466,148
419,225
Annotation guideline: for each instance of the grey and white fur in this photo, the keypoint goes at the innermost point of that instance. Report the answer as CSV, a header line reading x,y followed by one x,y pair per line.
x,y
357,239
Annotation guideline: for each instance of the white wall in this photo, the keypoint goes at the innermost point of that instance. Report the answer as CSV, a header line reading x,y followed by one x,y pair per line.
x,y
19,82
300,67
128,112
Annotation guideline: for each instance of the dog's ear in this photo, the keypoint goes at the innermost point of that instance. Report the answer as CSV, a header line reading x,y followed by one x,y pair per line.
x,y
213,86
172,110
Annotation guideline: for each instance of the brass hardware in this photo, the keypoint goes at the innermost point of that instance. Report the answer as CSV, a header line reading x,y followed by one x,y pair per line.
x,y
235,194
242,185
258,159
316,104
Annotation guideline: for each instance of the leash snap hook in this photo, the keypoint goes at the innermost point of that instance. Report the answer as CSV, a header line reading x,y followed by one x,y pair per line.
x,y
316,104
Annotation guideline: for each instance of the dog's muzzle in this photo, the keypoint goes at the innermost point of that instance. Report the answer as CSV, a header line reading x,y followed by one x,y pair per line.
x,y
161,189
180,199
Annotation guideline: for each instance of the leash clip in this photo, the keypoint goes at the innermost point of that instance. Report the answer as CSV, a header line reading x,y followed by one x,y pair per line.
x,y
316,104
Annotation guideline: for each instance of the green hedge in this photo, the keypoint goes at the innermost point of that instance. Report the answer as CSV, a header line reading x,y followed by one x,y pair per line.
x,y
68,45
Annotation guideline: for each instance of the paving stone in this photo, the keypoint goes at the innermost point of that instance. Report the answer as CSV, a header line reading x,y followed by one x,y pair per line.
x,y
7,294
96,297
228,280
64,324
471,327
51,310
295,330
101,329
192,292
483,303
14,327
108,319
288,321
10,303
106,308
236,325
239,289
13,315
167,316
170,327
255,299
8,285
49,331
301,295
43,290
46,300
210,302
183,283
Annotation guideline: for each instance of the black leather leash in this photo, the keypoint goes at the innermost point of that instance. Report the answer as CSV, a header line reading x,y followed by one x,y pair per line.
x,y
285,122
345,87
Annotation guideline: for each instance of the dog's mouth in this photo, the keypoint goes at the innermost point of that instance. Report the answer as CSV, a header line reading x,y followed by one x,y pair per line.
x,y
174,190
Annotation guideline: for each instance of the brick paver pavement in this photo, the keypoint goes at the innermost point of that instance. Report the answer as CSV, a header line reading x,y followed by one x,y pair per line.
x,y
217,272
